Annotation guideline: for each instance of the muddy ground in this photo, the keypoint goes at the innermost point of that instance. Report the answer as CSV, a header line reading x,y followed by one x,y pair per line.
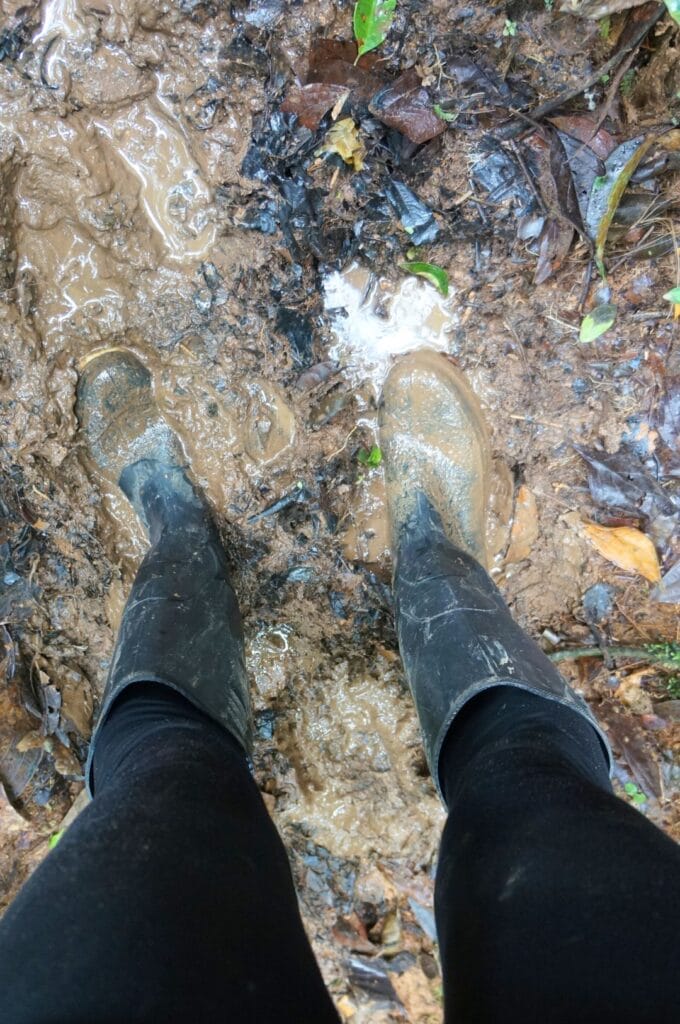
x,y
154,196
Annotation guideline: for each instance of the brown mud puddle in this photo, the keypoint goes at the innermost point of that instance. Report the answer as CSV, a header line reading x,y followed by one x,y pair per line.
x,y
123,131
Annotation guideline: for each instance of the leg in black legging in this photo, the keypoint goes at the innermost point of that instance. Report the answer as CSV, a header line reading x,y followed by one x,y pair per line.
x,y
555,901
170,898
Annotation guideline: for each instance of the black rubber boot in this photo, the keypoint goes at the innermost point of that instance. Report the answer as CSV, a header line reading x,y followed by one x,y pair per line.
x,y
181,625
456,635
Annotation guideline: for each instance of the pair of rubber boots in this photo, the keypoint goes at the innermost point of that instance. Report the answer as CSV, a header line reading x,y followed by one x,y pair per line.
x,y
181,626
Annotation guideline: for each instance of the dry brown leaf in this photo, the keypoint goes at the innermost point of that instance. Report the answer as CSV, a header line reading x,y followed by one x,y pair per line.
x,y
630,692
524,527
626,547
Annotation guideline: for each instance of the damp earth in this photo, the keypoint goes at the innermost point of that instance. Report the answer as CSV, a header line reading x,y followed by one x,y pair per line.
x,y
154,197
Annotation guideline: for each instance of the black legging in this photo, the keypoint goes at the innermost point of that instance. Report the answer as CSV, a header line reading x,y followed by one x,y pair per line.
x,y
170,898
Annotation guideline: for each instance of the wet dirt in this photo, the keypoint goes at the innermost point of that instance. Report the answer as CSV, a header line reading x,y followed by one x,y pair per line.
x,y
126,219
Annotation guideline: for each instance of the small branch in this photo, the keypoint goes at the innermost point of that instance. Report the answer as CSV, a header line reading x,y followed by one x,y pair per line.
x,y
638,653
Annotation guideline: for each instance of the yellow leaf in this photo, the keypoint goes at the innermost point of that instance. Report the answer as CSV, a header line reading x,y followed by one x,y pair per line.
x,y
626,547
343,138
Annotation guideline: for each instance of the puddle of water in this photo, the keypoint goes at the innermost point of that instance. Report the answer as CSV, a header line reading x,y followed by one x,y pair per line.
x,y
374,320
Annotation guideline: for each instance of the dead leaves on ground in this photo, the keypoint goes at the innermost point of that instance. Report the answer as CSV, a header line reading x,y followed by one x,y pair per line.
x,y
626,547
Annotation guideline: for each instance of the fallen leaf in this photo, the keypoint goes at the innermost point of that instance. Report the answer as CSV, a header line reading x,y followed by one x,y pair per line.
x,y
435,275
597,322
406,105
343,138
620,482
630,692
336,63
609,188
631,741
626,547
673,296
668,590
585,130
524,527
372,21
312,102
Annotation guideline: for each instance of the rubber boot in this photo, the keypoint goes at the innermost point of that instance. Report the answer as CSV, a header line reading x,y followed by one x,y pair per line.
x,y
456,635
181,626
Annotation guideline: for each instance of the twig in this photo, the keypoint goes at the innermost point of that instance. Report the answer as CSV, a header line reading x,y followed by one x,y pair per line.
x,y
638,653
569,94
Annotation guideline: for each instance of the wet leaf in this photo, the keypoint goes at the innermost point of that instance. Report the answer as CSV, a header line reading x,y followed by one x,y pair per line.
x,y
406,105
343,138
630,740
370,458
432,273
584,129
597,322
626,547
313,101
336,63
673,295
372,21
604,200
621,482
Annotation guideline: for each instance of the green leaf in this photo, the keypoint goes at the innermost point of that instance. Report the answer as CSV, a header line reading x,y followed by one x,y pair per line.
x,y
372,458
597,322
510,27
435,275
54,838
673,295
604,26
605,196
372,20
673,7
445,115
630,788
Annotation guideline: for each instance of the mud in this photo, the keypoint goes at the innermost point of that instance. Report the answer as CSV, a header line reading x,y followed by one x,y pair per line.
x,y
125,221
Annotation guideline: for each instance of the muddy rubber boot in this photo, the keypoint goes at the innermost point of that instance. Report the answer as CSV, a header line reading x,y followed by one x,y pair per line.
x,y
181,625
456,635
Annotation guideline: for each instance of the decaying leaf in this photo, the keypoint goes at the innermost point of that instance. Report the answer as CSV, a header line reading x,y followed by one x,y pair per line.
x,y
597,322
372,20
620,482
626,547
524,527
336,63
406,105
432,273
313,101
343,138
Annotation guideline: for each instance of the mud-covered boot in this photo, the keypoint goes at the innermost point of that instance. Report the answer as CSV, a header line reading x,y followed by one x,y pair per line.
x,y
456,635
181,625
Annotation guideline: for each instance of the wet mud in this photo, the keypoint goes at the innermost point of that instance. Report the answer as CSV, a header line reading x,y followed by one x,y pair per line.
x,y
132,214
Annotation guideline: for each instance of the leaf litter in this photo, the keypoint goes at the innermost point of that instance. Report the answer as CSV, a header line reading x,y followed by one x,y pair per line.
x,y
498,200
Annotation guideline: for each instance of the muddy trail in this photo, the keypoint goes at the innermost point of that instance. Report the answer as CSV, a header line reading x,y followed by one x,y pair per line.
x,y
220,189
